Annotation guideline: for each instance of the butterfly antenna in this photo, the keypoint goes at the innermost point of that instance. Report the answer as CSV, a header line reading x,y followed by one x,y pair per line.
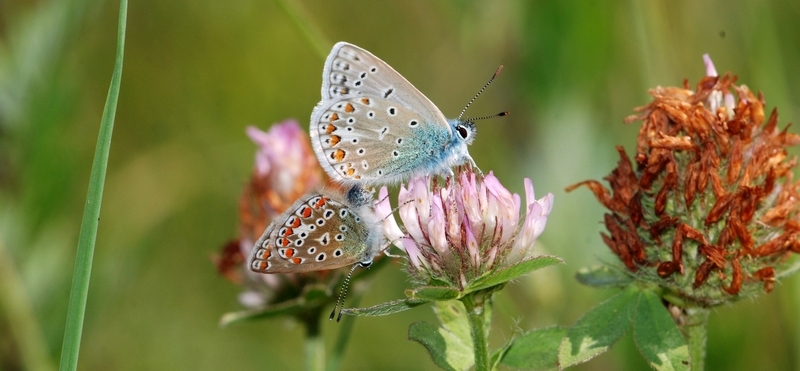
x,y
343,294
480,91
501,114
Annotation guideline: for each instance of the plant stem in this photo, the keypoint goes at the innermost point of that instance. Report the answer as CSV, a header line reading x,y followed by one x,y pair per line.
x,y
91,212
474,304
314,342
696,333
308,29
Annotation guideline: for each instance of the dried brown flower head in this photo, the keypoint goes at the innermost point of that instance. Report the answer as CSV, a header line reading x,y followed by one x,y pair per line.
x,y
709,209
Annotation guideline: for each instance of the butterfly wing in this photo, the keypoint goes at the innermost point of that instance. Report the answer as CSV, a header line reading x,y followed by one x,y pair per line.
x,y
317,232
372,125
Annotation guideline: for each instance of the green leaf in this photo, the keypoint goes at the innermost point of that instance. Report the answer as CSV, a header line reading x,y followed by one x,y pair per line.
x,y
514,271
447,350
658,338
287,307
385,309
453,317
598,329
79,290
433,293
602,276
536,350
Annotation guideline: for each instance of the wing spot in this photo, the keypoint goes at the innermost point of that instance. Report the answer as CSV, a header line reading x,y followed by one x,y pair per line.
x,y
259,265
320,222
335,116
383,132
413,123
355,140
330,128
297,260
373,69
365,101
343,213
363,75
339,237
361,151
299,242
351,121
333,140
303,234
349,108
343,228
395,153
288,253
380,172
349,128
399,141
338,156
392,111
312,250
321,257
371,114
312,227
357,83
328,213
387,93
364,164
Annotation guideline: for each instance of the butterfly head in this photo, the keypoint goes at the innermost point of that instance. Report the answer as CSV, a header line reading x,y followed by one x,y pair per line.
x,y
464,131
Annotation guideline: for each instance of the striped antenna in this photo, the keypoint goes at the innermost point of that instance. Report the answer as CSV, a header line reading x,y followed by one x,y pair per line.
x,y
480,91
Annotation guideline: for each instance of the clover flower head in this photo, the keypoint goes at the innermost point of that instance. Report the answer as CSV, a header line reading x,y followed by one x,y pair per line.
x,y
464,229
708,209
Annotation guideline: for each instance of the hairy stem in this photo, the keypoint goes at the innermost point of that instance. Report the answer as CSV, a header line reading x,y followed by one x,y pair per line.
x,y
696,330
476,316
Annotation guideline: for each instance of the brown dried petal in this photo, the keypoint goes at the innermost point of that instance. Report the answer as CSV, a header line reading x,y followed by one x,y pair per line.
x,y
736,281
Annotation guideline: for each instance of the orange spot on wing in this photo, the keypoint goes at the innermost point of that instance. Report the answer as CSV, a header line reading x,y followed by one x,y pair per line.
x,y
267,254
351,171
297,260
306,212
289,253
365,101
283,242
288,232
335,139
262,265
338,155
294,223
349,108
330,128
334,117
320,203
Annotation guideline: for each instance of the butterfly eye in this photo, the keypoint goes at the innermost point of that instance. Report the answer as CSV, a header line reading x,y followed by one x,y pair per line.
x,y
462,131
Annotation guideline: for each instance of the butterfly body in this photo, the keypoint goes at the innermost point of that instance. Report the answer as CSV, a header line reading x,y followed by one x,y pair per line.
x,y
373,127
321,230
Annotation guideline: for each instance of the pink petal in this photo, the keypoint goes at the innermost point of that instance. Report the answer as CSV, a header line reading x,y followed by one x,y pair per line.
x,y
383,210
710,70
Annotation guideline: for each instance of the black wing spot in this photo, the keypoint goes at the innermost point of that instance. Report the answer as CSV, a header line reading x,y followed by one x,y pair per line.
x,y
399,140
363,75
357,83
387,93
413,123
392,111
395,153
337,253
373,70
321,257
370,114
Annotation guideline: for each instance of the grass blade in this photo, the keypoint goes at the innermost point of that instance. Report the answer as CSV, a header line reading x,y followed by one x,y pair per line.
x,y
91,212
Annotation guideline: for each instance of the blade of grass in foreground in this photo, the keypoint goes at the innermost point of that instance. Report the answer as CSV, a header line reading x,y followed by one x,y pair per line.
x,y
91,212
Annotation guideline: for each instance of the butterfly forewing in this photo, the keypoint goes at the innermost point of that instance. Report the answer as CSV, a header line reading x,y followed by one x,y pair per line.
x,y
319,231
373,126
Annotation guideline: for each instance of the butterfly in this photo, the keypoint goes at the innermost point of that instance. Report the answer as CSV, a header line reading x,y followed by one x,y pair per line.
x,y
326,229
373,127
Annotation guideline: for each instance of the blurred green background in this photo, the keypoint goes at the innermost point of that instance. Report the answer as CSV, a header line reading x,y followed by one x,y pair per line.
x,y
197,72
